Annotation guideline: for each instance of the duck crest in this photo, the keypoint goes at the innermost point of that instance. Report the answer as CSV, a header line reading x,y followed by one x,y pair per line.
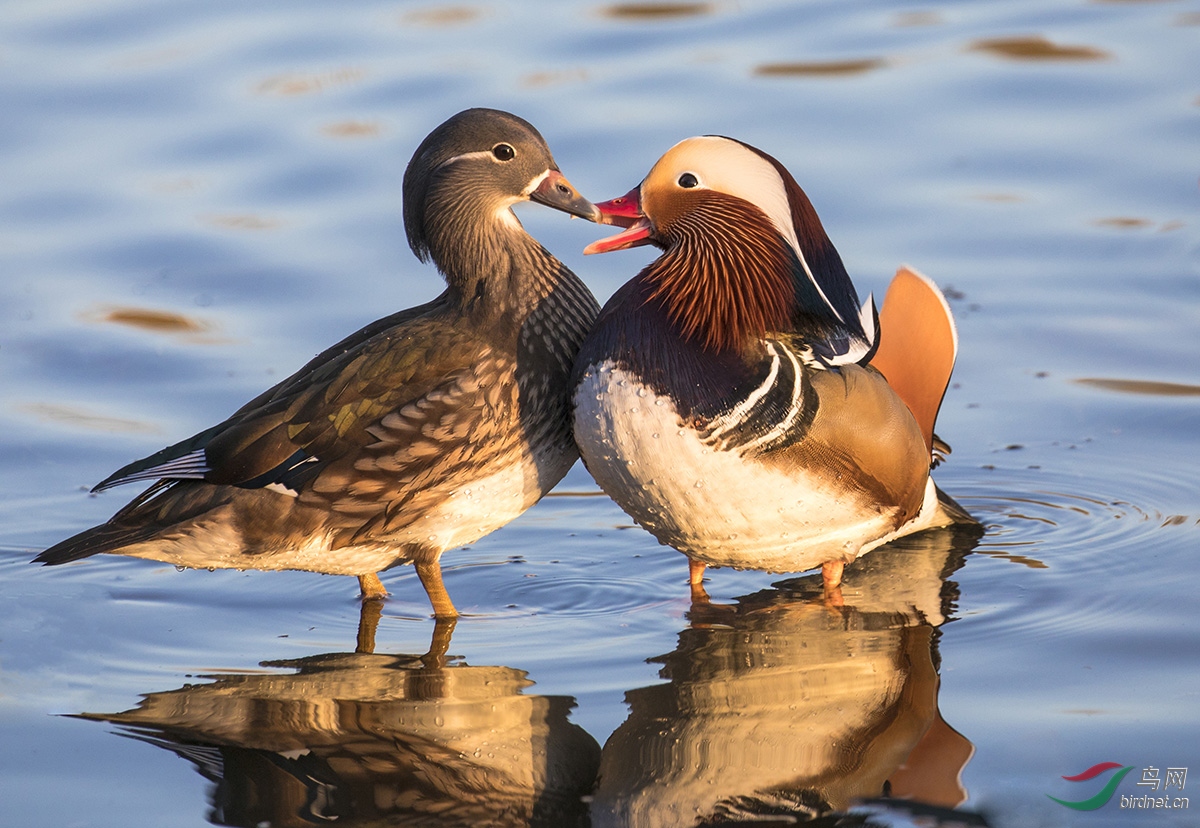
x,y
826,289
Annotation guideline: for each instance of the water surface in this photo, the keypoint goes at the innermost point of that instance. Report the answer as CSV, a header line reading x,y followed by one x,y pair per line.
x,y
197,197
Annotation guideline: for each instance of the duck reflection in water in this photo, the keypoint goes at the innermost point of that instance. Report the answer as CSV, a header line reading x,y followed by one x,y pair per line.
x,y
364,739
785,706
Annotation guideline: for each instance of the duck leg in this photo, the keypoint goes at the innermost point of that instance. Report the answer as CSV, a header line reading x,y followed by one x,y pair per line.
x,y
439,644
831,577
430,573
372,588
831,574
696,581
368,623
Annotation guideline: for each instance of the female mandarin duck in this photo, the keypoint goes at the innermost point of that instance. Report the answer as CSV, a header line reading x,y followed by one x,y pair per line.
x,y
423,431
735,399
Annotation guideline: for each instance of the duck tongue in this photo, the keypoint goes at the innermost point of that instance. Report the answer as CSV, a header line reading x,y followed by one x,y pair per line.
x,y
625,211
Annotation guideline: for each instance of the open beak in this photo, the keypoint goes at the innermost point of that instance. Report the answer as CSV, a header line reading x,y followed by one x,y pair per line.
x,y
626,212
555,191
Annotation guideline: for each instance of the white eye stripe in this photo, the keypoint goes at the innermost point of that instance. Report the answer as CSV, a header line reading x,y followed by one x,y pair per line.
x,y
479,154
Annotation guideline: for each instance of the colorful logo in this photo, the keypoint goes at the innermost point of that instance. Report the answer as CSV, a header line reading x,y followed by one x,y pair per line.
x,y
1106,793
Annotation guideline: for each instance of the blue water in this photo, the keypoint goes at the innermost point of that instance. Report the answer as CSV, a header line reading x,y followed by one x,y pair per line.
x,y
195,197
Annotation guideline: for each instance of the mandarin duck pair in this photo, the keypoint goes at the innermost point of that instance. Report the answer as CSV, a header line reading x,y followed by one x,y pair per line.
x,y
733,398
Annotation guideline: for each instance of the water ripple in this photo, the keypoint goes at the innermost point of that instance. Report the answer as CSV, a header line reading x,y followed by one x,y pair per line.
x,y
656,11
1148,387
573,594
1036,518
828,68
1076,545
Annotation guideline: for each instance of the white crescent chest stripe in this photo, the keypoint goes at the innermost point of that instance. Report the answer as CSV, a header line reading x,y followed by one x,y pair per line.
x,y
722,427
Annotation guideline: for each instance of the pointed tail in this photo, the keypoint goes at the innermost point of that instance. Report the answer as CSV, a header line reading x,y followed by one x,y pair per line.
x,y
134,523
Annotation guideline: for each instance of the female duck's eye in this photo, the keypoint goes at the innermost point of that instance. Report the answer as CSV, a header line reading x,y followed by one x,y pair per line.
x,y
687,181
503,152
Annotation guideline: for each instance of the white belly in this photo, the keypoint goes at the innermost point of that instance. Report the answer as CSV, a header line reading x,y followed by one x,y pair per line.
x,y
715,506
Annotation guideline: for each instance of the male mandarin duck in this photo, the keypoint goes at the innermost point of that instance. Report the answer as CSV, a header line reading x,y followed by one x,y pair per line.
x,y
422,432
735,399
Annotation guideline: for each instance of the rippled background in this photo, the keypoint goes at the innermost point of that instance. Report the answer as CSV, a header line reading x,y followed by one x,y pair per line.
x,y
195,197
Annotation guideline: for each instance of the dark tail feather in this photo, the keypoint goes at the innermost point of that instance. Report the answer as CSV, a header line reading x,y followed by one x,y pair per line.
x,y
120,531
106,537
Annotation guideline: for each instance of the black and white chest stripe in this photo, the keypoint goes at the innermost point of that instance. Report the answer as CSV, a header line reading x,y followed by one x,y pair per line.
x,y
771,414
778,410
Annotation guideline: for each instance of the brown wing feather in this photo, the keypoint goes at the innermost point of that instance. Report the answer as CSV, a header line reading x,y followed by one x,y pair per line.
x,y
861,440
447,439
257,438
918,344
328,414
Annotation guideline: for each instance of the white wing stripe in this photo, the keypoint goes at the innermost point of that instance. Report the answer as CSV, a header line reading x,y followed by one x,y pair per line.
x,y
733,418
191,466
794,410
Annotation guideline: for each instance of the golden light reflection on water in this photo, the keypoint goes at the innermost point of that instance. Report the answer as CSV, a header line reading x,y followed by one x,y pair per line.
x,y
996,550
554,78
1035,48
442,16
828,68
149,319
656,11
352,129
194,330
1151,387
295,83
1123,222
75,417
1136,223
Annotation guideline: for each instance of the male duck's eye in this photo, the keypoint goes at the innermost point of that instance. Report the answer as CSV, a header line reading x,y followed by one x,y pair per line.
x,y
503,152
687,181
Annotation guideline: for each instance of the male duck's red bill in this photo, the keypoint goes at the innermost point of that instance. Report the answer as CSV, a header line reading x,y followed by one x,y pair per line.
x,y
623,211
